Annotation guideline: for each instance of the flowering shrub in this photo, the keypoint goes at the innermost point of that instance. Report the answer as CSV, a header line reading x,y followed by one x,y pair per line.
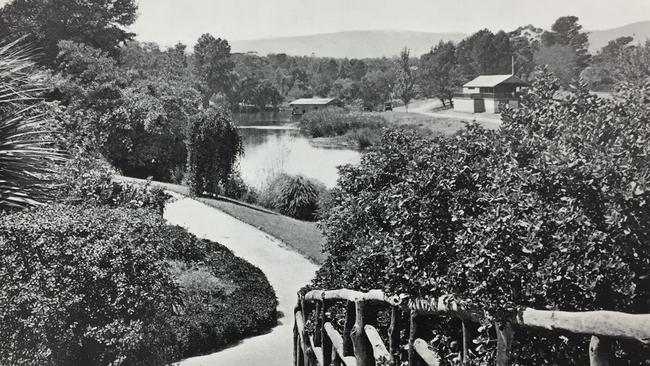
x,y
549,212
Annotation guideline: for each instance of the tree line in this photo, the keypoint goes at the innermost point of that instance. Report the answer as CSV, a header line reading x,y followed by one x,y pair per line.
x,y
135,102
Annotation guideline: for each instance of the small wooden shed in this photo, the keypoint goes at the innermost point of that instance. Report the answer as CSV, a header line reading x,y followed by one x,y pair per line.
x,y
304,105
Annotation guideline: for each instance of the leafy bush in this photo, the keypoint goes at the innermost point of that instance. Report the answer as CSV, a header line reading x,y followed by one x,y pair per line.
x,y
294,196
84,287
135,114
93,286
236,188
551,212
337,122
225,298
88,179
365,137
213,148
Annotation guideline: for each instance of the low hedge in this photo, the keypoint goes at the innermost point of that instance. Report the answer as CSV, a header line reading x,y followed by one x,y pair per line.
x,y
94,286
241,303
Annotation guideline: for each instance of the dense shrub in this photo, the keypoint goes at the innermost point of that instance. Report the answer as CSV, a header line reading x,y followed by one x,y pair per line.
x,y
549,212
337,122
213,148
135,112
365,137
236,188
294,196
88,179
93,286
225,298
84,287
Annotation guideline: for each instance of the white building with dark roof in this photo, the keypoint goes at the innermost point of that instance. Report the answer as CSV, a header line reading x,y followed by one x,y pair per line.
x,y
304,105
489,93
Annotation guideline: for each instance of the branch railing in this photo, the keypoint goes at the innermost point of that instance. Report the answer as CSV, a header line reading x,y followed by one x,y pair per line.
x,y
361,345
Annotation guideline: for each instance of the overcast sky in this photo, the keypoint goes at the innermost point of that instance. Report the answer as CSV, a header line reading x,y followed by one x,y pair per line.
x,y
169,21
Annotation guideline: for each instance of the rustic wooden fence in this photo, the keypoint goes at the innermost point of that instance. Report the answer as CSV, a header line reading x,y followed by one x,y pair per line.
x,y
361,345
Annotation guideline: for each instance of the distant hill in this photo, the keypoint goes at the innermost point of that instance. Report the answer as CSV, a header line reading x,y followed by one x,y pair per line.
x,y
362,44
598,39
351,44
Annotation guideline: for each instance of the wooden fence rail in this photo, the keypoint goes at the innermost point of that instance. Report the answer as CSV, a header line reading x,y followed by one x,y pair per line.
x,y
361,345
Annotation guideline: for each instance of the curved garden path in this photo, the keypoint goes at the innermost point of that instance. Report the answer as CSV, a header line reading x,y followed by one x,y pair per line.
x,y
287,272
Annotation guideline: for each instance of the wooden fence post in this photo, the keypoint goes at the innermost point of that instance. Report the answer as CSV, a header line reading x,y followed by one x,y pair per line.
x,y
336,361
350,313
505,336
326,342
394,335
319,325
362,348
600,351
466,342
296,344
414,332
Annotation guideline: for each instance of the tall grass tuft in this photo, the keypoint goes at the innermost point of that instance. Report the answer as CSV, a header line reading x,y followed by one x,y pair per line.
x,y
294,196
28,155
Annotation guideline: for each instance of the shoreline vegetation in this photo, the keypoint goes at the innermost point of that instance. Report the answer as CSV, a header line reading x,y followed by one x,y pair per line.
x,y
346,129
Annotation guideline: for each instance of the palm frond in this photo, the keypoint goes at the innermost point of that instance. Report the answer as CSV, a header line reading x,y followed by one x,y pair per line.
x,y
28,154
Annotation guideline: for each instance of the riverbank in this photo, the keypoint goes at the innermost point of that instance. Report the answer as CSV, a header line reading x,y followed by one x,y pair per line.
x,y
302,236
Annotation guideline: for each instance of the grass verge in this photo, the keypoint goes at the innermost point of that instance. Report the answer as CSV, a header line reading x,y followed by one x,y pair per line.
x,y
301,236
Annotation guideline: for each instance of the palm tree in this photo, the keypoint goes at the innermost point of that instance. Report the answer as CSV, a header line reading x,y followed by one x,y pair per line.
x,y
28,156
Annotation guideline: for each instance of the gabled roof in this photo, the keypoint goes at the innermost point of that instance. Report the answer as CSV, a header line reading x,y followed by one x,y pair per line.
x,y
313,101
490,81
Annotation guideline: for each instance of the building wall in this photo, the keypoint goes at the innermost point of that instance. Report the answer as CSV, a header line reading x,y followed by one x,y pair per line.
x,y
470,90
480,105
304,108
491,105
464,105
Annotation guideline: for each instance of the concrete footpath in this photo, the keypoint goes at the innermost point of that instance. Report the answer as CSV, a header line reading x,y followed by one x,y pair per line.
x,y
286,270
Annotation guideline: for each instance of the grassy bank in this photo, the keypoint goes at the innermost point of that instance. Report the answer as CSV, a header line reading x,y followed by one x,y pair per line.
x,y
301,236
422,122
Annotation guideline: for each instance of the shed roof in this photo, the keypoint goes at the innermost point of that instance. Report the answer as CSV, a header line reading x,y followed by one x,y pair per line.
x,y
490,81
313,101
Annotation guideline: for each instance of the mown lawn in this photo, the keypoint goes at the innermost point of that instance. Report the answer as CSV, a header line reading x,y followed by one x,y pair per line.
x,y
433,125
301,236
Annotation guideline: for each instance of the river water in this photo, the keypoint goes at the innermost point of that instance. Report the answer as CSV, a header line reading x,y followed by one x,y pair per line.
x,y
273,145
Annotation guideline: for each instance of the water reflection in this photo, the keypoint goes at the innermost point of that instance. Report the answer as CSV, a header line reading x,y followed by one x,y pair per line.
x,y
268,152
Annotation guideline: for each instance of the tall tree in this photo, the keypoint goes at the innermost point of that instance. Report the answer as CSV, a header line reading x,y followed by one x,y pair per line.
x,y
98,23
406,79
566,31
439,76
602,73
375,88
213,148
213,65
562,61
484,53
